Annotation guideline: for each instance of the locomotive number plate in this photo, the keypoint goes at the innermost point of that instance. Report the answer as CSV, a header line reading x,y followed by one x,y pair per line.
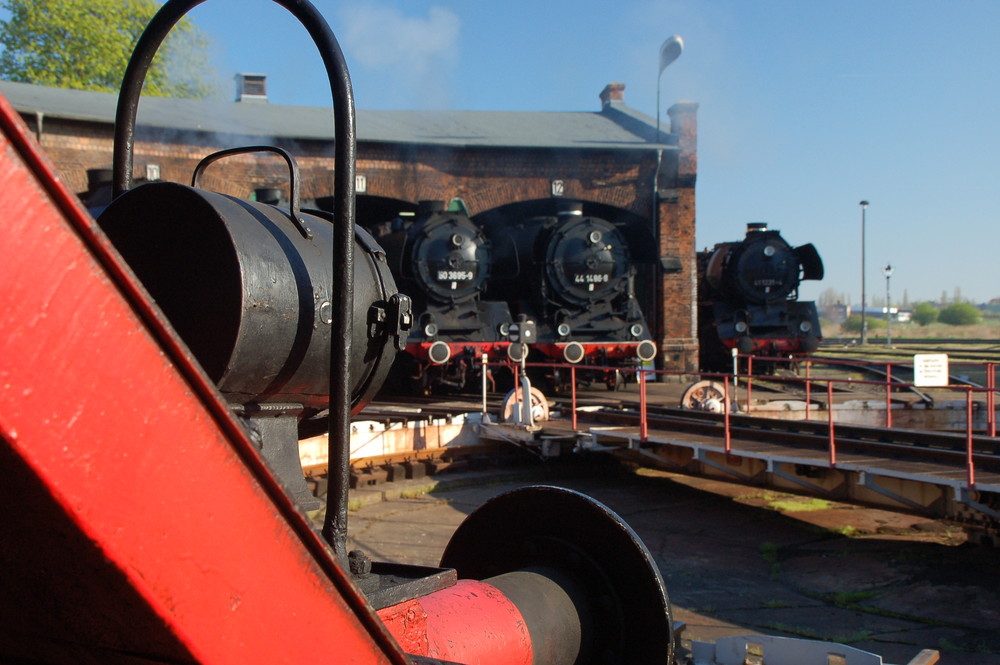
x,y
591,279
455,275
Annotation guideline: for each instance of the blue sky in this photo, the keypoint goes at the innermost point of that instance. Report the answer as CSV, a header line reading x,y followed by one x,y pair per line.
x,y
806,107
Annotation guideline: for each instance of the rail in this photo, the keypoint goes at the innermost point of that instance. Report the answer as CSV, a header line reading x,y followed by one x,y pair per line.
x,y
811,384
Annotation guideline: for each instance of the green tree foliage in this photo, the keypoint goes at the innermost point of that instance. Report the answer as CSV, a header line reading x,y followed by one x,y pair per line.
x,y
960,314
925,313
86,44
853,323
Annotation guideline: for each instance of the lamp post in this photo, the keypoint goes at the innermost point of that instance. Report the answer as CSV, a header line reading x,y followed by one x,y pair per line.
x,y
670,50
888,305
864,321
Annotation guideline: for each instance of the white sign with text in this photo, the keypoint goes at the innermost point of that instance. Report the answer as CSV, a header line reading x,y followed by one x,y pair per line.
x,y
930,369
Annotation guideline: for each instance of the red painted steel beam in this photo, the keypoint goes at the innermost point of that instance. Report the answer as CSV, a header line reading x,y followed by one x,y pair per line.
x,y
139,524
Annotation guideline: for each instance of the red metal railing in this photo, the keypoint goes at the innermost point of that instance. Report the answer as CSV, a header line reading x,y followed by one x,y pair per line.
x,y
826,384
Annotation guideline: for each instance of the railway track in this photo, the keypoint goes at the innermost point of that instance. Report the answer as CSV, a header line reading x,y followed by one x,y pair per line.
x,y
938,447
973,351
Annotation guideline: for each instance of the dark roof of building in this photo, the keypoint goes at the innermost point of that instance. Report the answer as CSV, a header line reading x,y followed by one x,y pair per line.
x,y
616,127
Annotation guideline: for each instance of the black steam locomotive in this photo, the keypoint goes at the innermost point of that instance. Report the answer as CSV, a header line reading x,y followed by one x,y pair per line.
x,y
442,260
748,298
574,275
470,279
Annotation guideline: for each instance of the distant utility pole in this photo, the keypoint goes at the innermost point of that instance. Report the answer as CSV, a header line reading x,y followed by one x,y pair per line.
x,y
888,305
864,322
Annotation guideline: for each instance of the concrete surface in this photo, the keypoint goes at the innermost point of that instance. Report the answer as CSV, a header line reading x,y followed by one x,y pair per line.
x,y
734,563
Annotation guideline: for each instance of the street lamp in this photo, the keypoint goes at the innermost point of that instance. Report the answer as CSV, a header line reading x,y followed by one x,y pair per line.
x,y
864,322
670,50
888,305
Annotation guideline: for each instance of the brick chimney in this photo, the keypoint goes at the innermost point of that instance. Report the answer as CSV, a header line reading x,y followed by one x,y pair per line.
x,y
613,92
251,88
684,123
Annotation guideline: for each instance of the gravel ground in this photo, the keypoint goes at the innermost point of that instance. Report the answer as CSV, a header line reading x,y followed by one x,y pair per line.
x,y
740,560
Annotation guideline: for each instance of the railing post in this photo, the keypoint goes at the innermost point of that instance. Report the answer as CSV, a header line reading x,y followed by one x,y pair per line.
x,y
969,466
808,387
725,418
643,425
991,399
736,367
749,381
572,391
829,409
485,369
888,395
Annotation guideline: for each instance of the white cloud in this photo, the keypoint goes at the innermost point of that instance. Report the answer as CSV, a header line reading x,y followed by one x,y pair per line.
x,y
414,55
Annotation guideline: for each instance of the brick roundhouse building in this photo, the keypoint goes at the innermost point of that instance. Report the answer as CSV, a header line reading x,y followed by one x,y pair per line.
x,y
489,159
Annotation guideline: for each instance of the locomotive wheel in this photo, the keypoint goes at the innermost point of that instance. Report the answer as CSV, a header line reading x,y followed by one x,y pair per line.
x,y
704,396
512,404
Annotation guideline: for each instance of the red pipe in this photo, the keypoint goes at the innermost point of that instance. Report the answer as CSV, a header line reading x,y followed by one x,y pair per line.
x,y
471,622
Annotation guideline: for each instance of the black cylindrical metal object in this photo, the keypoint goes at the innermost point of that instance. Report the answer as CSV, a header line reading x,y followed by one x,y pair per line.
x,y
556,611
345,155
250,295
589,568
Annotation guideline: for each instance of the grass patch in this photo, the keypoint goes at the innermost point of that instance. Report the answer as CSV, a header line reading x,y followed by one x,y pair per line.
x,y
798,505
777,604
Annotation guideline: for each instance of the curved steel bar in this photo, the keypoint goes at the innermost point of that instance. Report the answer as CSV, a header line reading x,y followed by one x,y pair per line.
x,y
293,177
345,152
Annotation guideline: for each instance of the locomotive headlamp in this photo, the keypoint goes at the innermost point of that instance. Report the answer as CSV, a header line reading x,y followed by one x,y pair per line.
x,y
636,329
741,327
458,240
769,250
517,351
646,350
439,353
504,329
573,352
430,330
595,237
805,326
563,329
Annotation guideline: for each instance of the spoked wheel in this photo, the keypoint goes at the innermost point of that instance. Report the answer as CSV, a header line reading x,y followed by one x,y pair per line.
x,y
705,396
512,406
